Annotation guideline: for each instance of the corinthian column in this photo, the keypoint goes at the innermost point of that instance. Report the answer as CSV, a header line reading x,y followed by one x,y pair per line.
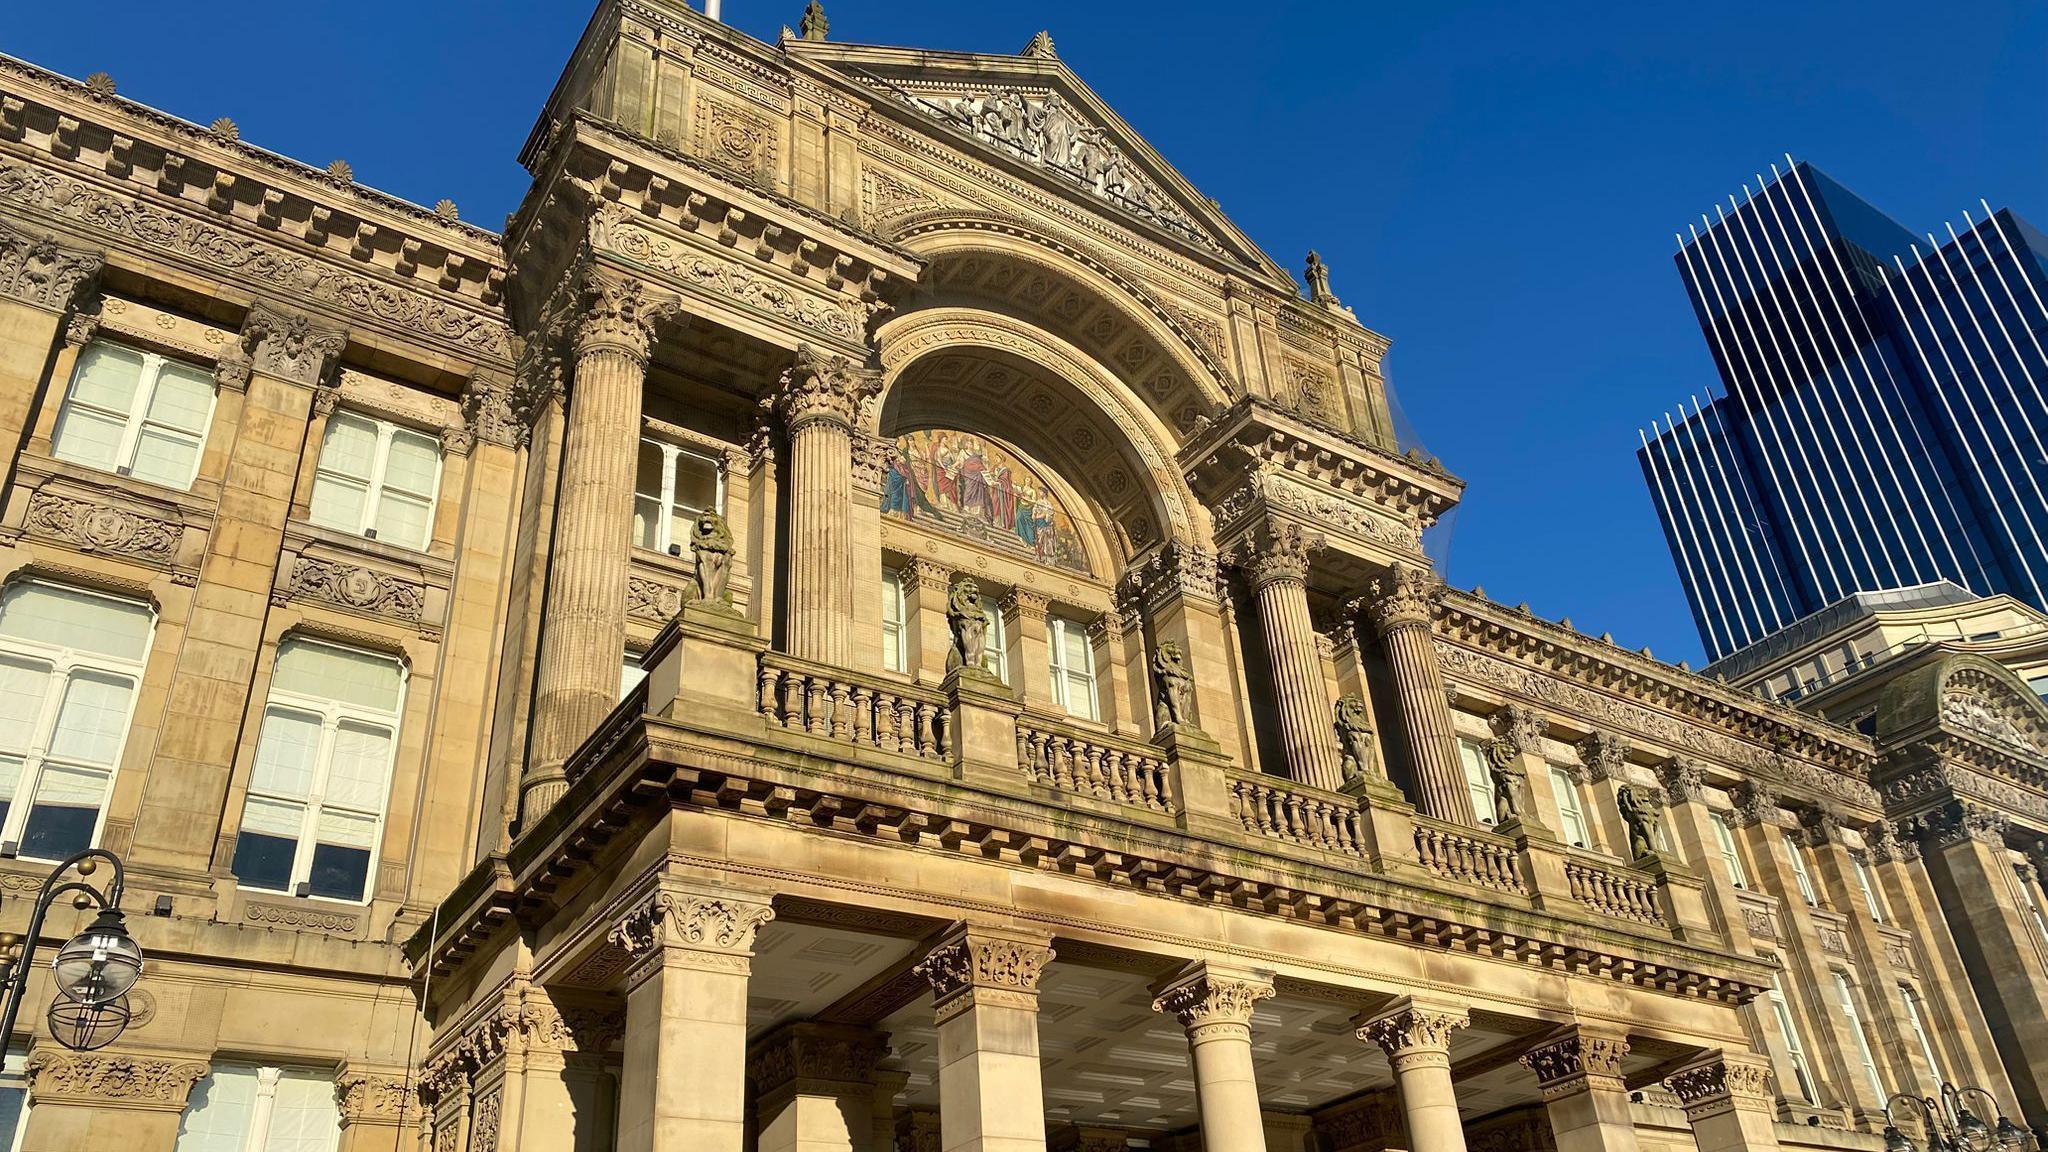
x,y
584,631
1278,567
985,1003
1215,1005
1401,608
1417,1041
820,397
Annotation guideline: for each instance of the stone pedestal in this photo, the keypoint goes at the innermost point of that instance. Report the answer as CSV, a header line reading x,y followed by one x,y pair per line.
x,y
1214,1005
1200,779
1727,1101
1401,610
683,1087
1417,1040
819,399
1583,1094
984,728
813,1088
985,1002
1278,567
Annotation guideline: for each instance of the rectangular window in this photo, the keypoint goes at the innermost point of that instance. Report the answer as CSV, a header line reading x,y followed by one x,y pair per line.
x,y
2040,686
1868,883
1478,781
672,487
377,479
1795,1049
1724,838
1799,872
892,620
1569,813
1073,668
69,663
247,1108
995,645
630,674
323,766
136,414
1915,1021
1855,1021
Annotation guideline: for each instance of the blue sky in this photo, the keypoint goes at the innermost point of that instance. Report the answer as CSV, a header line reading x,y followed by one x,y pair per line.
x,y
1495,187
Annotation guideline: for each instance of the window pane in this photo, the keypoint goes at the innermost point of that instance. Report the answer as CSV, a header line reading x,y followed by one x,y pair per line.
x,y
412,464
107,376
892,597
268,841
10,782
1080,699
90,438
349,448
106,380
22,685
355,778
1078,657
92,718
183,399
303,1117
217,1113
403,520
338,503
341,855
696,486
62,815
648,506
165,457
326,672
646,523
64,618
286,752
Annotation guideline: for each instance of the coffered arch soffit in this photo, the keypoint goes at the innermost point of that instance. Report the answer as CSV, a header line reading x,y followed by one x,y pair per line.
x,y
980,371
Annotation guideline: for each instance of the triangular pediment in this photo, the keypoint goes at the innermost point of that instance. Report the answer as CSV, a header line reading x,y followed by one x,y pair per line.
x,y
1034,111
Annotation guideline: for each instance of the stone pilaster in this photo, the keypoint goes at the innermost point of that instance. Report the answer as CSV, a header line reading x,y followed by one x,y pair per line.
x,y
813,1088
1176,591
1214,1005
1401,609
583,633
41,281
985,1001
1727,1099
1276,562
1583,1093
107,1099
683,1085
820,398
379,1108
1417,1040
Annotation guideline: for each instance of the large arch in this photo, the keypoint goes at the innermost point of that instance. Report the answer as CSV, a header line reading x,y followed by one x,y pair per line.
x,y
987,372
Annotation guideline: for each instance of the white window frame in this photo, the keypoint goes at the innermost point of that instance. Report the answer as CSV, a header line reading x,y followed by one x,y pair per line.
x,y
256,1137
138,411
1864,880
1854,1019
63,663
1571,811
1057,628
1795,1048
2033,904
1478,781
895,652
1731,854
1916,1020
1799,873
373,492
630,673
332,713
664,526
995,648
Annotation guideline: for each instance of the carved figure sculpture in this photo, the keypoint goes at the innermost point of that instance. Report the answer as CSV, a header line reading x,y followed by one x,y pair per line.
x,y
1173,685
1507,781
1639,812
970,627
1318,274
813,26
711,544
1354,737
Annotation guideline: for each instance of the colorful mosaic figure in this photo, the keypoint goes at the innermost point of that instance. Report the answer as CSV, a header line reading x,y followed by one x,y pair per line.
x,y
970,486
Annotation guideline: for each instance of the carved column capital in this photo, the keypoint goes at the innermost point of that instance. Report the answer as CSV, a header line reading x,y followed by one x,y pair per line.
x,y
618,316
1279,553
132,1080
1723,1080
1577,1062
1755,803
289,345
821,386
1521,729
1406,597
1175,569
975,965
1412,1032
1603,754
702,930
871,461
1210,1002
381,1096
491,412
38,271
806,1052
1024,604
1820,824
1683,779
923,574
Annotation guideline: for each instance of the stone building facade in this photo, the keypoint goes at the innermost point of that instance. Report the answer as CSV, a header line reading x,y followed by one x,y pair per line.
x,y
872,616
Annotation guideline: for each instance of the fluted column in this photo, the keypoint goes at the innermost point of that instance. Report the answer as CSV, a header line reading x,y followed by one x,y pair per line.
x,y
1215,1006
819,399
584,631
1583,1093
1417,1040
985,1002
1401,608
1278,567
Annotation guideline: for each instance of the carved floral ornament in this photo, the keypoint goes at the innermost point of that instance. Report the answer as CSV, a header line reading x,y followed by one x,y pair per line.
x,y
354,586
137,1081
35,269
289,345
368,1097
1406,597
92,527
1205,1001
1415,1029
968,962
1728,1077
821,386
1520,728
620,316
1564,1063
1279,553
702,923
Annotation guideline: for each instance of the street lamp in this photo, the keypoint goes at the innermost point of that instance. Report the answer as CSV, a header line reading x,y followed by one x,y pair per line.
x,y
1950,1126
94,970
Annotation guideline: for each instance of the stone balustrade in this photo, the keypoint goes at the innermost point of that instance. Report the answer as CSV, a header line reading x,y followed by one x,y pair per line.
x,y
1467,856
1092,764
869,712
1614,892
1271,807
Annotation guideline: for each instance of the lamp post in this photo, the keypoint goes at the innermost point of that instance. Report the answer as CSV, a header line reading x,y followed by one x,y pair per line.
x,y
94,970
1950,1126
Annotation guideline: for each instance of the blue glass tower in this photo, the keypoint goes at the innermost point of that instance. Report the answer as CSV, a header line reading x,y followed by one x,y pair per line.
x,y
1881,416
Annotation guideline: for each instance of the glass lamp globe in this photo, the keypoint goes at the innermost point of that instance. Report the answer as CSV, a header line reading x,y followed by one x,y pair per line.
x,y
99,964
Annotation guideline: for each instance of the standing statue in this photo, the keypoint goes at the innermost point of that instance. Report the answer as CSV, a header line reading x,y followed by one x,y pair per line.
x,y
1354,737
813,26
1639,812
1318,276
970,627
1508,779
1172,684
711,544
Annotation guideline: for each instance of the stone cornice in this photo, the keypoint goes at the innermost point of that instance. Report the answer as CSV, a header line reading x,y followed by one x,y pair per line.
x,y
1252,433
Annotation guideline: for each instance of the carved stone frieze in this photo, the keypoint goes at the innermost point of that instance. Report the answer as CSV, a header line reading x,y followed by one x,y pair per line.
x,y
36,270
92,527
356,587
293,916
133,1081
842,320
653,600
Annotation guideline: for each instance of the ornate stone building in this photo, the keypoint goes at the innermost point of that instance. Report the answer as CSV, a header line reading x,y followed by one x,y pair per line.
x,y
872,616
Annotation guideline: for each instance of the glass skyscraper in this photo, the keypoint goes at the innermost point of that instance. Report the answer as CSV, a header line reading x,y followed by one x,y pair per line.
x,y
1881,418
